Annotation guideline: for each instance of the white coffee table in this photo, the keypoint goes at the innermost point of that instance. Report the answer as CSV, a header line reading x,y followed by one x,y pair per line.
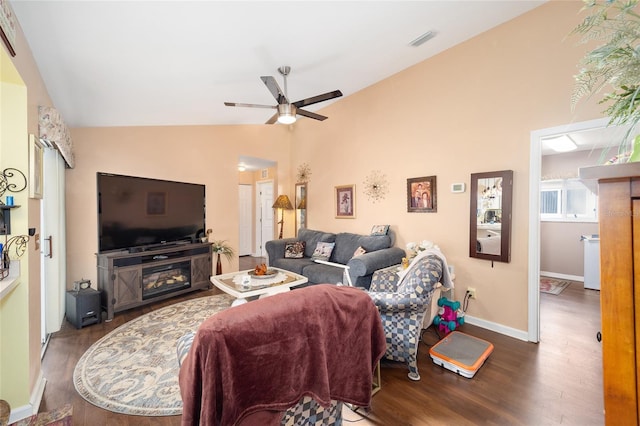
x,y
262,287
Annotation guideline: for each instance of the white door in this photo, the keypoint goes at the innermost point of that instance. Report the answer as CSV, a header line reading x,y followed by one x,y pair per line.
x,y
264,216
245,219
53,243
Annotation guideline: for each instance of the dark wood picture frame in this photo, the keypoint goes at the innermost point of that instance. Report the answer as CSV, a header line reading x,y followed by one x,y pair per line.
x,y
422,195
495,220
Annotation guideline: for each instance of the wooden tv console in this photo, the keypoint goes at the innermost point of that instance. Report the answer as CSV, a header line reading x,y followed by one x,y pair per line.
x,y
121,274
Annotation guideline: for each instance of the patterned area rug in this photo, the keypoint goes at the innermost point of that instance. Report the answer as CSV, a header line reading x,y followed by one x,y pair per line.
x,y
552,285
60,417
134,369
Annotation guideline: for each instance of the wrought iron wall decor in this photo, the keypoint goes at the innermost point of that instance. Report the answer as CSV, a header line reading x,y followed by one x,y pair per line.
x,y
11,180
18,244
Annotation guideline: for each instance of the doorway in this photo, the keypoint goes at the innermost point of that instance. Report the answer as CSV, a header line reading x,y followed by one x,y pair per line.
x,y
535,158
53,246
256,186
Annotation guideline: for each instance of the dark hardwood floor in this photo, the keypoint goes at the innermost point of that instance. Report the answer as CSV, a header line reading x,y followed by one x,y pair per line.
x,y
558,381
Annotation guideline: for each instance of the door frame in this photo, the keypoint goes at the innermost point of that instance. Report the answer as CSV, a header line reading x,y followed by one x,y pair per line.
x,y
241,187
535,170
260,224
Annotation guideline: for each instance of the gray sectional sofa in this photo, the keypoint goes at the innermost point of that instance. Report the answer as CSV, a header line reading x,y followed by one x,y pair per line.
x,y
379,254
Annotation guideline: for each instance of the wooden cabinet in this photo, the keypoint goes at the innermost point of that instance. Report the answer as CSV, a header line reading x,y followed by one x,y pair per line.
x,y
127,280
127,291
619,217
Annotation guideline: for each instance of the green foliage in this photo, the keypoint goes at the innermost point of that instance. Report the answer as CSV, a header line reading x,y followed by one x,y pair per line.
x,y
222,247
614,64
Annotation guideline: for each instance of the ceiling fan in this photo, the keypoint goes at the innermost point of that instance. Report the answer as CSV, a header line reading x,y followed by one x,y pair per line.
x,y
287,111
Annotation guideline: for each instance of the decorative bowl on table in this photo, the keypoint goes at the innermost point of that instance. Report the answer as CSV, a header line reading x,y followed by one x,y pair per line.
x,y
269,273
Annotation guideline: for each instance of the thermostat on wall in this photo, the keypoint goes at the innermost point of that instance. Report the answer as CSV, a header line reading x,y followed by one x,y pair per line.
x,y
458,187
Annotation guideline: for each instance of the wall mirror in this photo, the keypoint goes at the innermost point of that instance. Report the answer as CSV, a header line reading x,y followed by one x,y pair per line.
x,y
490,215
301,206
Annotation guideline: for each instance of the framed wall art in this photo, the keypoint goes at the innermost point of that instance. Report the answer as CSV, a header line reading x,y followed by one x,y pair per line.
x,y
422,195
345,202
35,167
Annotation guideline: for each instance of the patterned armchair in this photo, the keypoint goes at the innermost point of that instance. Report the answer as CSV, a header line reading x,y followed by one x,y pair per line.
x,y
403,302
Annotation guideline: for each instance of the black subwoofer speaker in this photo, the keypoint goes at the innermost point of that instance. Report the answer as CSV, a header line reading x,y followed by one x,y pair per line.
x,y
83,307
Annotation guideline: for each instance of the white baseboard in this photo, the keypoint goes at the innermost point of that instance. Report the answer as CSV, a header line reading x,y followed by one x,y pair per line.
x,y
34,402
498,328
562,276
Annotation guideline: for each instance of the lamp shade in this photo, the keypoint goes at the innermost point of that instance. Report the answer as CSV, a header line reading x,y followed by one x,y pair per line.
x,y
303,204
282,202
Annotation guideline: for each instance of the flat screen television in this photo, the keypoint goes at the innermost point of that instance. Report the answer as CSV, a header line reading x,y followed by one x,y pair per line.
x,y
137,213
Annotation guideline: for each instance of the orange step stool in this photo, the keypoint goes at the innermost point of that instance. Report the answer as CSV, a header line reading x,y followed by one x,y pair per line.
x,y
461,353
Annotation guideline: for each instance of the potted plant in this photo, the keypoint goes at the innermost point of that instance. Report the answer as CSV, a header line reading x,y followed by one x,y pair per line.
x,y
222,247
615,63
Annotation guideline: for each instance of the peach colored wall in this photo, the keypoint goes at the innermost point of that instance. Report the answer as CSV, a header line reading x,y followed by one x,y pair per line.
x,y
199,154
469,109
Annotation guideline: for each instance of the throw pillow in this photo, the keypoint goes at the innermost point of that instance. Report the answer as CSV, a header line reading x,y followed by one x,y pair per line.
x,y
359,252
323,251
379,229
294,250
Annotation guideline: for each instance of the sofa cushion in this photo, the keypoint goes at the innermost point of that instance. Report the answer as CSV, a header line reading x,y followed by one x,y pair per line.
x,y
294,250
312,238
379,230
323,251
347,243
319,273
293,265
359,252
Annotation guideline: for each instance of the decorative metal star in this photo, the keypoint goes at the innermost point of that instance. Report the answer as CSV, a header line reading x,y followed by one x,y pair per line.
x,y
304,173
376,186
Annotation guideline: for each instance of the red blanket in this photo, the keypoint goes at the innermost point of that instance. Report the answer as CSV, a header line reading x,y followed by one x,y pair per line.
x,y
323,341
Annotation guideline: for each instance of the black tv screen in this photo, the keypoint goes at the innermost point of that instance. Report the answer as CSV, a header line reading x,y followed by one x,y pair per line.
x,y
137,212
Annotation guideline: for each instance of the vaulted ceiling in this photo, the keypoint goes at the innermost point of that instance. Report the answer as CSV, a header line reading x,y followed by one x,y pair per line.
x,y
112,63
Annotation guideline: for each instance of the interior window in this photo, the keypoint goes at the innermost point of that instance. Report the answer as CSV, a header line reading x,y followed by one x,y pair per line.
x,y
550,201
567,200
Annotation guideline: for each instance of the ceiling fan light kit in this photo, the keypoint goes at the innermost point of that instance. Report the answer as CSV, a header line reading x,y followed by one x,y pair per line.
x,y
286,114
287,111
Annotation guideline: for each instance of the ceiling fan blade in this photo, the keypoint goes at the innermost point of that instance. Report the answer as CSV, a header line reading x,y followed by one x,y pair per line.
x,y
237,104
311,114
275,90
319,98
273,119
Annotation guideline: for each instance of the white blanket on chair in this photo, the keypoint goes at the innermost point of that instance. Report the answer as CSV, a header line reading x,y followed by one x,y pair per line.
x,y
446,276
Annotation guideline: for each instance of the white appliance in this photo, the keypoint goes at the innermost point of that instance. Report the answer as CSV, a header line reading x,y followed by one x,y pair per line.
x,y
591,261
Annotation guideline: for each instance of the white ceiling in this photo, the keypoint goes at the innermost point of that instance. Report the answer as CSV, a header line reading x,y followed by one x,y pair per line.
x,y
131,63
604,137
